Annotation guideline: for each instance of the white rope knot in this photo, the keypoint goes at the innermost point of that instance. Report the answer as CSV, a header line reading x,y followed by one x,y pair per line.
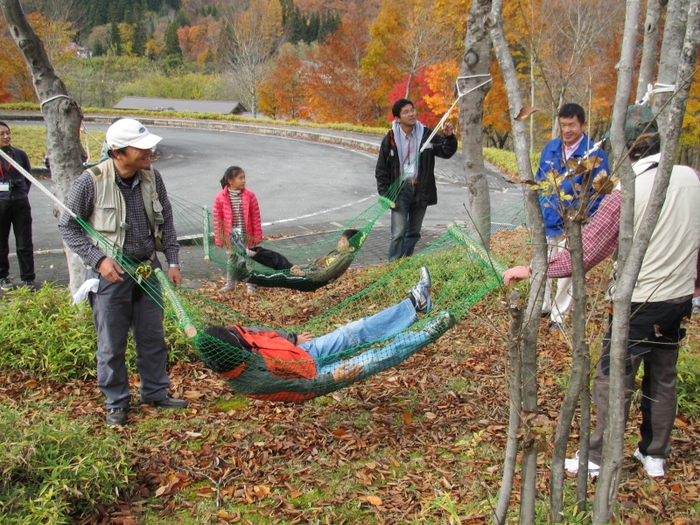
x,y
56,97
652,90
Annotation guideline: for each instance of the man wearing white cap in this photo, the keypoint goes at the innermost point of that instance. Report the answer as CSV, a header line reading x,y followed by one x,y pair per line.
x,y
124,200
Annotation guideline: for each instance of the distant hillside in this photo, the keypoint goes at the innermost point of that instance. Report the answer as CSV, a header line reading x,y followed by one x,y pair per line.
x,y
371,7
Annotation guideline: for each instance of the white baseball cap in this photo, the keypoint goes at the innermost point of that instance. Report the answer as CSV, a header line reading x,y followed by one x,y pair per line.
x,y
129,132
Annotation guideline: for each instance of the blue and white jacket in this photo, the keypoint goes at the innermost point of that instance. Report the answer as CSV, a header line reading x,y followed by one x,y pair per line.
x,y
552,158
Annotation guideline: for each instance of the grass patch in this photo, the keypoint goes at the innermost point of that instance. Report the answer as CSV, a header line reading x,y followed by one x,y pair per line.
x,y
506,161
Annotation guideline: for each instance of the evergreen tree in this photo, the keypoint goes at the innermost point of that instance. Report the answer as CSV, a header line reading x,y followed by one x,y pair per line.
x,y
225,44
115,39
329,25
138,45
287,11
98,49
181,19
296,28
312,29
172,44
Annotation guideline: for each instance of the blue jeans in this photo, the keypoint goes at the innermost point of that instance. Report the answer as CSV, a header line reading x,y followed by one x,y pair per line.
x,y
379,326
406,222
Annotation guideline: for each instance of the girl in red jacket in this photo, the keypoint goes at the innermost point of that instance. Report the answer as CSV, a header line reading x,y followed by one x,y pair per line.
x,y
236,223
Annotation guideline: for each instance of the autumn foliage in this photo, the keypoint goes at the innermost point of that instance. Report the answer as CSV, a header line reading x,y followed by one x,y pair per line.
x,y
351,72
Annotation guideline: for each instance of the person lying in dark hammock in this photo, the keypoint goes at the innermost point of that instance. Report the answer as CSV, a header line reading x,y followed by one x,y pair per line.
x,y
280,366
325,268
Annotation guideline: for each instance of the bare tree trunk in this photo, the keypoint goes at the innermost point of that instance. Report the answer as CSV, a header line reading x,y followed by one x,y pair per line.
x,y
609,480
579,376
615,425
476,61
539,254
674,32
650,47
62,116
516,323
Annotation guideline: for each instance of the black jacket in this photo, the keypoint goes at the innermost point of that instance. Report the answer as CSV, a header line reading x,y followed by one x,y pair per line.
x,y
389,167
19,185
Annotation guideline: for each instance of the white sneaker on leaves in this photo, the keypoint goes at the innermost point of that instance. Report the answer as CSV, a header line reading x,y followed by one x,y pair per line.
x,y
228,287
571,465
250,289
653,466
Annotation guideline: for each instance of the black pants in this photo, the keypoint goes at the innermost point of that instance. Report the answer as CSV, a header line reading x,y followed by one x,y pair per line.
x,y
271,258
17,214
654,336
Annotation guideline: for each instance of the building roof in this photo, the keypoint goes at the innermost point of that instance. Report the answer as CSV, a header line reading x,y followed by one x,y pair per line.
x,y
179,104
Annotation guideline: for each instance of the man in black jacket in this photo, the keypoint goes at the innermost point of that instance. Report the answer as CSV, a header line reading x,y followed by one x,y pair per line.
x,y
400,157
15,213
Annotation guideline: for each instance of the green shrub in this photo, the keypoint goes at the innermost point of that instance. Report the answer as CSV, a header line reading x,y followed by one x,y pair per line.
x,y
44,334
51,467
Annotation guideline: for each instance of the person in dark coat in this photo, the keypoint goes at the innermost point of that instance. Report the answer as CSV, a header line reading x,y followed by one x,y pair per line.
x,y
400,157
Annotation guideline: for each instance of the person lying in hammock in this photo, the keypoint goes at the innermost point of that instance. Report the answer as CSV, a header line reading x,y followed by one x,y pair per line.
x,y
325,268
280,366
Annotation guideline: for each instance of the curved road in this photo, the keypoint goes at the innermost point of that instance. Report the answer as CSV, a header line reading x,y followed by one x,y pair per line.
x,y
301,186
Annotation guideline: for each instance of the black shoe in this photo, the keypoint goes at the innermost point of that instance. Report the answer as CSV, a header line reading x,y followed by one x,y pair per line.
x,y
116,416
29,284
6,284
169,402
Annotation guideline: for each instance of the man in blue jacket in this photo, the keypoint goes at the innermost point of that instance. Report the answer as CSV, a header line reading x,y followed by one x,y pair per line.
x,y
560,156
400,157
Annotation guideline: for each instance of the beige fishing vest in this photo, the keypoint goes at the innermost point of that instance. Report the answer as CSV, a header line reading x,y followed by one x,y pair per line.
x,y
109,209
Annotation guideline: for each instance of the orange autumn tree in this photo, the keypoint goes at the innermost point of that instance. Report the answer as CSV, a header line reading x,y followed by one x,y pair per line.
x,y
199,42
438,90
496,119
56,36
408,36
283,93
337,87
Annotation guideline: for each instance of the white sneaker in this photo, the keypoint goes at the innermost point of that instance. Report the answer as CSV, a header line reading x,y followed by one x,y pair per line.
x,y
228,287
250,289
571,465
653,466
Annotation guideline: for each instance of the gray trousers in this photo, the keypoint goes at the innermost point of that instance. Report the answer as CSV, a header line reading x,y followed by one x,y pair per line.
x,y
655,332
117,309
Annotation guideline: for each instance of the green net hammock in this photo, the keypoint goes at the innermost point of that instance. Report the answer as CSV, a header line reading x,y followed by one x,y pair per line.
x,y
461,272
316,264
319,264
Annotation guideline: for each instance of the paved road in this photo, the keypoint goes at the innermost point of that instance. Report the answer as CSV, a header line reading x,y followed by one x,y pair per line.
x,y
303,187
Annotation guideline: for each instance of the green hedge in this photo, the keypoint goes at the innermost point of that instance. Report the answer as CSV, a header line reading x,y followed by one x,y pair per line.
x,y
44,334
52,468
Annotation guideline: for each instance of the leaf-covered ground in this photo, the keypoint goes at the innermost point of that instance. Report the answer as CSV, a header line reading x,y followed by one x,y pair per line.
x,y
422,443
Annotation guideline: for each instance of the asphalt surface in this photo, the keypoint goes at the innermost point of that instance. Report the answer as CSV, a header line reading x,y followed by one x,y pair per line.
x,y
306,187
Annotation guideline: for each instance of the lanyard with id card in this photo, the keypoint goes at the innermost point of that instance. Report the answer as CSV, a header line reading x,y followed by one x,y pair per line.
x,y
409,165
